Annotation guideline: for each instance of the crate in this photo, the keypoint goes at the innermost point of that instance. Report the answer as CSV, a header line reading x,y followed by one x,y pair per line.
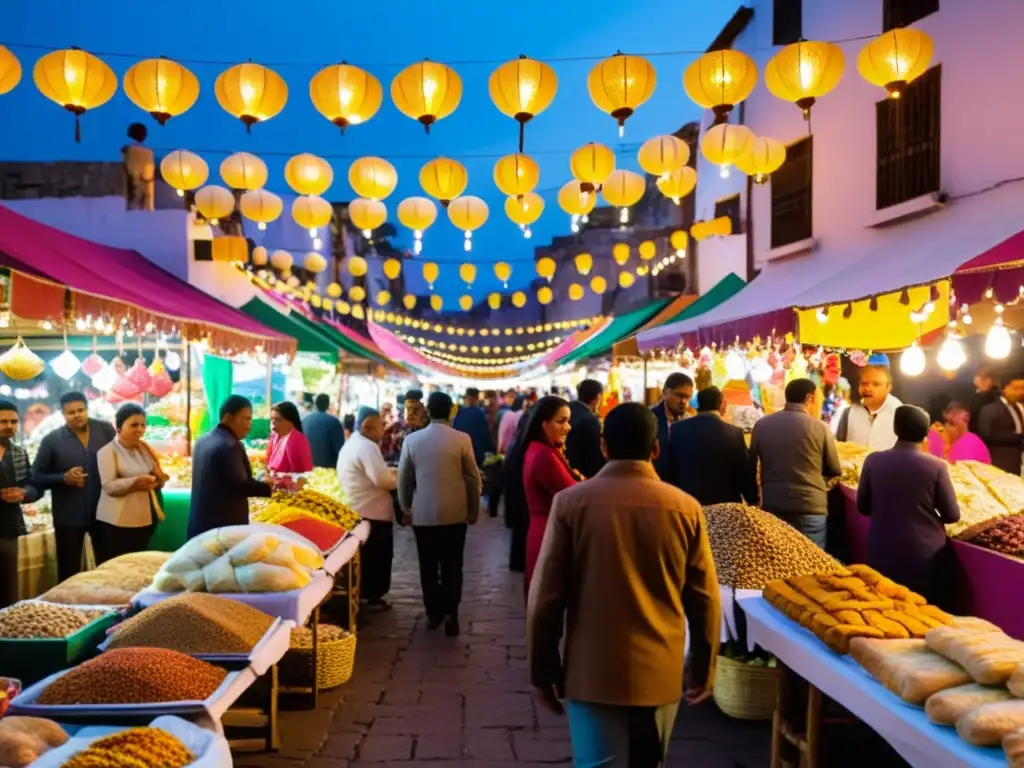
x,y
32,659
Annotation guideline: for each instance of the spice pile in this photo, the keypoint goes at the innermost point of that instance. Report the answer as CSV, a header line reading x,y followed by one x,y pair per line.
x,y
115,582
194,623
752,547
285,507
134,748
31,619
1005,536
135,676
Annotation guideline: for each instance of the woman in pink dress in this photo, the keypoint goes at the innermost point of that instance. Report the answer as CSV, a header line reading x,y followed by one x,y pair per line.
x,y
954,441
289,450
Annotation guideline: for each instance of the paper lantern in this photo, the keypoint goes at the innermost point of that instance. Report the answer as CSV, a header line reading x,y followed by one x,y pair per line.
x,y
524,210
764,157
357,293
576,291
76,80
431,273
623,189
229,248
494,301
214,203
720,227
719,80
281,260
468,213
314,262
518,299
444,179
467,273
334,290
647,250
804,72
372,177
10,71
545,295
383,298
620,84
522,89
679,240
662,155
244,171
598,284
503,271
251,92
308,174
516,174
465,303
590,165
678,184
895,58
184,170
426,91
367,215
436,303
345,95
546,267
357,266
409,302
259,256
260,206
312,212
626,280
358,312
642,270
161,87
620,253
723,144
392,269
584,263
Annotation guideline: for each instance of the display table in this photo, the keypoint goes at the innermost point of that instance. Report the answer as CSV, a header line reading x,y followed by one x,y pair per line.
x,y
37,562
172,532
906,728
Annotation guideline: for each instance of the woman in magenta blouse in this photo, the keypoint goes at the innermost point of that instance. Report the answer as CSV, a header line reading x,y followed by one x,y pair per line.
x,y
289,450
955,442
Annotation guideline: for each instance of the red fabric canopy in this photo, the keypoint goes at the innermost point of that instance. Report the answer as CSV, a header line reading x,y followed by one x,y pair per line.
x,y
124,282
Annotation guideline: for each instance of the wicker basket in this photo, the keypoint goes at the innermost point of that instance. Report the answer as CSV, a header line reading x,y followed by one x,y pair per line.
x,y
745,692
337,659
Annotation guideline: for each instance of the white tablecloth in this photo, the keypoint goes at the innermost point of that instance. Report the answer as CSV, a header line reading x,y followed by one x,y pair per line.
x,y
346,550
906,728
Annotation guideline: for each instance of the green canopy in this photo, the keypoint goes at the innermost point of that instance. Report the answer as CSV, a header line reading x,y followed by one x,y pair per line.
x,y
310,338
346,343
724,289
618,328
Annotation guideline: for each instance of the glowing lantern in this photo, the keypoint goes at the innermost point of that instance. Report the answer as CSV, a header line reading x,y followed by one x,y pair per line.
x,y
392,269
524,210
467,273
723,144
281,260
357,266
576,292
894,59
522,89
678,184
358,312
623,189
584,263
229,248
719,80
642,270
679,240
436,303
804,72
260,206
503,272
383,298
626,280
591,164
620,253
518,299
345,95
494,301
465,303
372,177
444,179
516,174
912,361
161,87
334,290
620,84
244,171
417,213
546,267
10,71
720,227
764,157
214,203
545,295
598,284
409,302
647,250
357,293
76,80
426,91
184,170
431,273
314,262
308,174
251,92
259,256
367,215
663,155
468,213
312,212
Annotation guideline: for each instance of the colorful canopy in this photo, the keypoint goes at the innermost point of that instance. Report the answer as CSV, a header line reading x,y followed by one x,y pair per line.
x,y
279,317
619,327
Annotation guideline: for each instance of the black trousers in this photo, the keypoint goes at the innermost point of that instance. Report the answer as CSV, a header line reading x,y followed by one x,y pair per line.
x,y
70,544
376,557
116,540
440,549
8,571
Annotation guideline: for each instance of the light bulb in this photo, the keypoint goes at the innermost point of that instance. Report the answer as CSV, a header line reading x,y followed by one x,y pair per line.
x,y
312,231
967,319
584,218
468,242
675,200
317,243
79,324
623,215
951,354
417,247
367,234
997,341
181,192
681,253
822,315
47,325
723,171
98,325
261,225
622,130
214,222
527,233
912,361
929,307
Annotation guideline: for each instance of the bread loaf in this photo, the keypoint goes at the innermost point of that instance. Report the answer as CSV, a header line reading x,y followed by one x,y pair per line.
x,y
1013,748
946,707
907,667
987,725
990,657
1016,682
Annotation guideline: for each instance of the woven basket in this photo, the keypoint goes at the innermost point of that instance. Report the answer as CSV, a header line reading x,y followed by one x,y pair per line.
x,y
745,692
337,659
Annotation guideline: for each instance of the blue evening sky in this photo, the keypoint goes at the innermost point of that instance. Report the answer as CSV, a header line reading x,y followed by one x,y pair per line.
x,y
381,37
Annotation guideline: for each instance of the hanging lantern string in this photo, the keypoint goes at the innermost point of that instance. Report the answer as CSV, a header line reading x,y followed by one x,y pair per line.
x,y
620,149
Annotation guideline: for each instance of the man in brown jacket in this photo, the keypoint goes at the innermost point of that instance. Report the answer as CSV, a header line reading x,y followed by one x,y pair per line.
x,y
626,564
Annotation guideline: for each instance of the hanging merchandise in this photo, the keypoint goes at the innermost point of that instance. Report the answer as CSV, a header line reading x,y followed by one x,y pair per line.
x,y
367,215
93,364
518,299
314,262
214,203
465,303
444,179
372,177
524,211
417,213
804,72
503,271
663,155
545,295
308,174
123,389
679,240
10,71
392,268
620,253
281,260
244,171
260,206
345,95
678,184
161,87
66,364
516,174
311,213
139,374
105,378
468,213
623,189
647,250
436,303
184,171
584,262
895,59
427,92
467,273
590,165
719,80
620,84
409,302
576,292
251,92
76,80
494,301
724,143
546,267
576,203
762,159
598,284
160,382
357,267
522,89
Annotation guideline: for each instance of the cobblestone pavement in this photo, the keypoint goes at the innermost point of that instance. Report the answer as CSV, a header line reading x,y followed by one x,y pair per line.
x,y
419,698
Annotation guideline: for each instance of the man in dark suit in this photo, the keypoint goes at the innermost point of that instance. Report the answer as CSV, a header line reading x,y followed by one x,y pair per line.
x,y
325,434
583,445
674,406
709,457
1001,426
472,420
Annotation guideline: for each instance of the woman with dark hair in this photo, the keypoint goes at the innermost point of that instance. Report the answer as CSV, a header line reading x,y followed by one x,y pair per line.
x,y
953,441
130,480
289,450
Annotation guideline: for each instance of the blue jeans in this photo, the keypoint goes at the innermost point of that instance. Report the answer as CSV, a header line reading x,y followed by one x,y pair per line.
x,y
605,736
814,527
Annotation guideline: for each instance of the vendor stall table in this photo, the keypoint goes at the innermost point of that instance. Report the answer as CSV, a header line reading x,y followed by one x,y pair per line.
x,y
906,728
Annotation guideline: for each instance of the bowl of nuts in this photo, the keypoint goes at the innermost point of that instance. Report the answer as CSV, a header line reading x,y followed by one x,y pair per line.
x,y
9,688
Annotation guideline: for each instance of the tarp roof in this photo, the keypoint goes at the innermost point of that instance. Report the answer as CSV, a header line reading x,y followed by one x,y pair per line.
x,y
620,326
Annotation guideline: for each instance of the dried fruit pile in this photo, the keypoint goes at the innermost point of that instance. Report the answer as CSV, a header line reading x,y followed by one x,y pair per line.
x,y
30,619
302,637
131,748
135,676
1006,536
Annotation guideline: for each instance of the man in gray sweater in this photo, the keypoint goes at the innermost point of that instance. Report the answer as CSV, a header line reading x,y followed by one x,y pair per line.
x,y
797,453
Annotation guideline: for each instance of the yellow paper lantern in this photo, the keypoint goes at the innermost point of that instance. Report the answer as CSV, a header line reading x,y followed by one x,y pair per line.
x,y
764,157
214,203
574,201
312,212
598,284
444,179
503,271
576,292
334,290
251,92
357,266
430,273
367,215
260,206
522,89
383,298
647,250
584,263
372,177
642,270
620,253
804,72
516,174
308,174
345,95
342,307
10,71
228,248
259,256
524,210
281,260
468,213
358,312
626,280
357,293
721,226
620,84
409,302
314,262
76,80
161,87
719,80
678,184
467,273
895,58
545,295
546,267
679,240
662,155
315,301
184,170
244,171
518,299
465,303
436,303
623,189
426,91
591,164
392,269
725,143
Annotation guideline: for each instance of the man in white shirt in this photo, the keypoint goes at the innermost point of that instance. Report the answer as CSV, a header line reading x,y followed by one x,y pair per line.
x,y
870,422
368,483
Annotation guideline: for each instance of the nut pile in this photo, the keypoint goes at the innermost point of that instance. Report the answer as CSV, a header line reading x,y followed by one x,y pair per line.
x,y
1006,536
135,676
302,637
115,582
194,622
29,619
752,547
134,748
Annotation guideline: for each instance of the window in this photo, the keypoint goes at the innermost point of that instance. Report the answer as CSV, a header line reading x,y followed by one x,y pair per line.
x,y
202,250
787,21
730,206
791,195
903,13
908,141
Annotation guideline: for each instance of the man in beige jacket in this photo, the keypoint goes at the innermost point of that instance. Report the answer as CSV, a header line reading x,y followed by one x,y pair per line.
x,y
626,563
